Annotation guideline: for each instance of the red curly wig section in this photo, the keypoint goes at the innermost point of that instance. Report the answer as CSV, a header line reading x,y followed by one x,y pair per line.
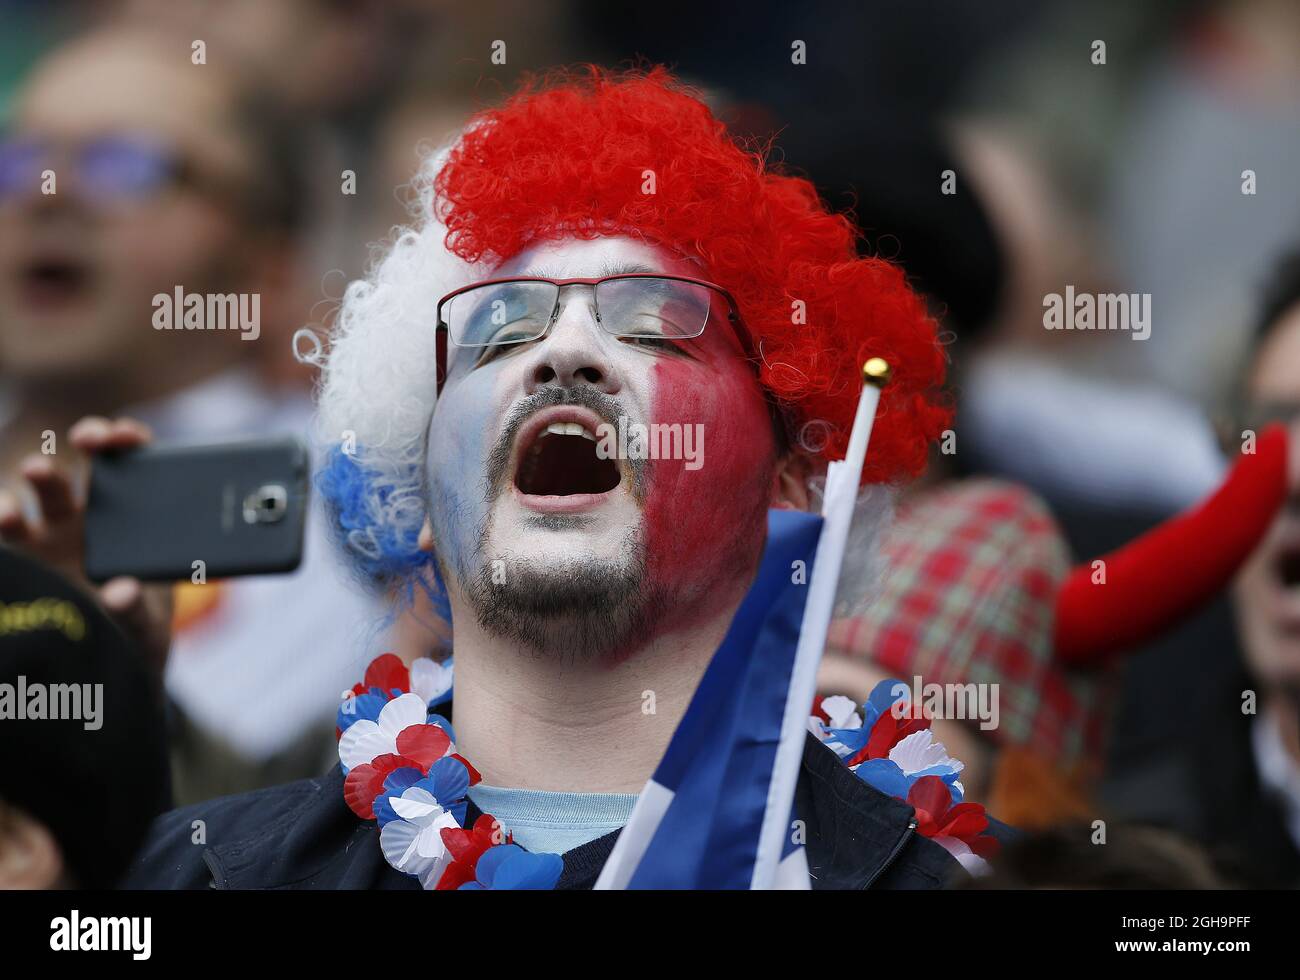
x,y
567,156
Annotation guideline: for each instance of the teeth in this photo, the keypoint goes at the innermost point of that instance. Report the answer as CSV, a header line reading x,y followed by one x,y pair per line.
x,y
570,429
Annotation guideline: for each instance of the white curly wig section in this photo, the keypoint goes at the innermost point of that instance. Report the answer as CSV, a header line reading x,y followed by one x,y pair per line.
x,y
376,390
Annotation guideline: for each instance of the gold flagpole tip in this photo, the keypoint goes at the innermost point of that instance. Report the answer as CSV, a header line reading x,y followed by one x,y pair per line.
x,y
876,372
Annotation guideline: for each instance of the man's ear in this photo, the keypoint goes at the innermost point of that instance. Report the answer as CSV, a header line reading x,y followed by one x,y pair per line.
x,y
30,858
790,481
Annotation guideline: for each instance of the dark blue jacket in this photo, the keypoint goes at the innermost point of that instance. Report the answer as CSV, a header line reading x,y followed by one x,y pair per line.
x,y
302,835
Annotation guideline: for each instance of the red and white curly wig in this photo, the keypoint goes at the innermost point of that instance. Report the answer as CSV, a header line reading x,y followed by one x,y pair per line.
x,y
568,156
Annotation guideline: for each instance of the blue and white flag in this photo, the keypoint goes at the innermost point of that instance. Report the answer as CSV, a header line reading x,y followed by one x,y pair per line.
x,y
719,810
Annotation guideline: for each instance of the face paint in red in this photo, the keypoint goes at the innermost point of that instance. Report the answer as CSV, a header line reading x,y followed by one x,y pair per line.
x,y
705,527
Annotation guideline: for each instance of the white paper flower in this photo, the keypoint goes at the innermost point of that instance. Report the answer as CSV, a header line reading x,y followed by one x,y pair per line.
x,y
413,844
921,751
842,712
968,859
430,680
365,739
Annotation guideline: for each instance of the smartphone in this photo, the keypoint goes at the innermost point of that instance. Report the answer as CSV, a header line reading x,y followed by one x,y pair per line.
x,y
158,511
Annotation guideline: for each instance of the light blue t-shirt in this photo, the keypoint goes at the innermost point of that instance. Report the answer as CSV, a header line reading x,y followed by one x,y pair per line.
x,y
553,822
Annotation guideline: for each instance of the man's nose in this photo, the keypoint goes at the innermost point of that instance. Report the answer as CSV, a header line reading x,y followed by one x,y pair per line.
x,y
576,351
66,201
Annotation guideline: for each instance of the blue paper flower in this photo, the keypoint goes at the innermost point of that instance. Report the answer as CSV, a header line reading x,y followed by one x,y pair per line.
x,y
447,782
883,697
888,777
510,867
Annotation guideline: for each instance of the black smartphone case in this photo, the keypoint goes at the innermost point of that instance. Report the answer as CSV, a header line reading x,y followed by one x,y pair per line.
x,y
240,508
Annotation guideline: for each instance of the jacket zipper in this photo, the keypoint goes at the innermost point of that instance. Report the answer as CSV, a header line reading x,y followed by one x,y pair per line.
x,y
893,854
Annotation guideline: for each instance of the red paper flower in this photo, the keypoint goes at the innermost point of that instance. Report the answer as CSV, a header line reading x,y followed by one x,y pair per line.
x,y
418,746
426,744
466,846
364,782
887,732
938,819
474,777
386,672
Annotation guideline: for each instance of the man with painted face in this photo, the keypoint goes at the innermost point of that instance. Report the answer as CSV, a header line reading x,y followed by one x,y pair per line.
x,y
562,403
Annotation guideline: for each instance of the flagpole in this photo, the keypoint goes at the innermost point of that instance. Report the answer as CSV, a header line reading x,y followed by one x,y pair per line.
x,y
841,493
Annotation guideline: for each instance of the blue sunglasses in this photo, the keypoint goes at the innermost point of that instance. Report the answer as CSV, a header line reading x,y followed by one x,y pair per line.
x,y
109,168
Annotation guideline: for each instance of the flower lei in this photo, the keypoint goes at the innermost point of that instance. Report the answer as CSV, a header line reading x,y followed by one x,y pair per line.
x,y
889,745
401,769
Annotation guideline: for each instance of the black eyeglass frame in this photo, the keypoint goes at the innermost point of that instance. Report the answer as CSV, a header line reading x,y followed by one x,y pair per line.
x,y
444,330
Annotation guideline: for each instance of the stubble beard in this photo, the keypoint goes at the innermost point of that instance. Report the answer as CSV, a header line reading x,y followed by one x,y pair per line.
x,y
568,608
572,610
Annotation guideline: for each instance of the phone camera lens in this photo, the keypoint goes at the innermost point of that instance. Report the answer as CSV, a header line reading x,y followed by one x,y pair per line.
x,y
266,505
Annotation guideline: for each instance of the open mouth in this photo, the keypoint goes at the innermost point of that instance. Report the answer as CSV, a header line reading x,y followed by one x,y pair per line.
x,y
54,281
559,457
1288,567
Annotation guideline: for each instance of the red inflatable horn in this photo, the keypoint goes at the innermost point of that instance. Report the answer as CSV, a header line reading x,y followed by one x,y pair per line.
x,y
1168,573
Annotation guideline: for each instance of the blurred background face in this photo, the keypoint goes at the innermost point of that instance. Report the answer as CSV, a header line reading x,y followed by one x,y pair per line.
x,y
147,199
571,531
1267,592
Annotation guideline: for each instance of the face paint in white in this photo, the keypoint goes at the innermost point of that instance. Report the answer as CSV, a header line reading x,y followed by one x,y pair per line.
x,y
537,528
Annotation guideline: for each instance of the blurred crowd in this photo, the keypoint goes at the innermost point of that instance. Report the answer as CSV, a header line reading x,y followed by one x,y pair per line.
x,y
993,150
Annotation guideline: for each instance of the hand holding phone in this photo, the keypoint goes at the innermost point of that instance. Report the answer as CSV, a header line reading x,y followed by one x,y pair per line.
x,y
55,535
186,513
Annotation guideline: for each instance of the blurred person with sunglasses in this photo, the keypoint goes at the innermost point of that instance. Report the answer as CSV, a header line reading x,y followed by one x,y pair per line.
x,y
127,172
110,194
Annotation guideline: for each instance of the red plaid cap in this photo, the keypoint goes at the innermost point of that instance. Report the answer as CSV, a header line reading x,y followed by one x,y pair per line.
x,y
967,597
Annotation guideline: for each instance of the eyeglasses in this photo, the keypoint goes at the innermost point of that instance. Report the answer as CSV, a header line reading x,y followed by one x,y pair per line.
x,y
631,305
107,169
